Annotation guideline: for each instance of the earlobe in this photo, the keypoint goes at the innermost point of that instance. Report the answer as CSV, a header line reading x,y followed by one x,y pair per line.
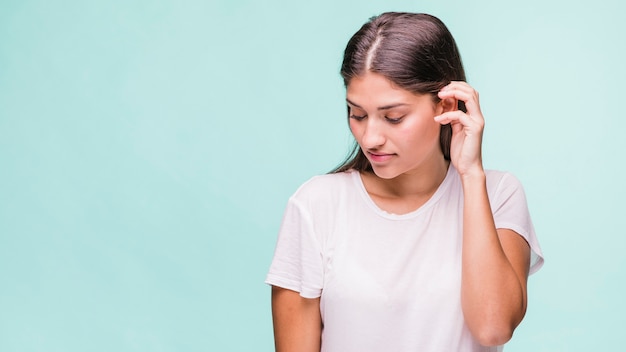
x,y
449,104
445,105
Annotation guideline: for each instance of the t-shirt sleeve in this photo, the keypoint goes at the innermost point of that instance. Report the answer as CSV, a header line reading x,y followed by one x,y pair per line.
x,y
297,263
510,211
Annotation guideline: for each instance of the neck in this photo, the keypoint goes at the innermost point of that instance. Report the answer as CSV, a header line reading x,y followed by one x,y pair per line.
x,y
414,188
421,182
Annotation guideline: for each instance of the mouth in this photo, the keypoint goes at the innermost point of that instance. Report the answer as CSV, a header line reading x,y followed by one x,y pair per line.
x,y
378,157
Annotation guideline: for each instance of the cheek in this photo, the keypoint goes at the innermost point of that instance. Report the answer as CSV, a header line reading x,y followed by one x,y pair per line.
x,y
421,130
354,127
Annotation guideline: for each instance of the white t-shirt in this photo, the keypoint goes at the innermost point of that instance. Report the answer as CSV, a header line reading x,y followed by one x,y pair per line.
x,y
387,282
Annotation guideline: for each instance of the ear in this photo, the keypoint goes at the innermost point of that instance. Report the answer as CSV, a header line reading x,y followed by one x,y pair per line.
x,y
447,104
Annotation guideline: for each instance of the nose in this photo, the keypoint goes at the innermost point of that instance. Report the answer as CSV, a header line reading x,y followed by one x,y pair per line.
x,y
372,135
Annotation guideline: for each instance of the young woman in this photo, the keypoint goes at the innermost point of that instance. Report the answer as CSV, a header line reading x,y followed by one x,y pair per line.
x,y
410,245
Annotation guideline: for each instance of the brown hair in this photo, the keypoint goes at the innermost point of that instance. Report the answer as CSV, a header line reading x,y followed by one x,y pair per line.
x,y
414,51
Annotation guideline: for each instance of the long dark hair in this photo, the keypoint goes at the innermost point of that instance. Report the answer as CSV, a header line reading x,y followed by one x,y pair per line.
x,y
414,51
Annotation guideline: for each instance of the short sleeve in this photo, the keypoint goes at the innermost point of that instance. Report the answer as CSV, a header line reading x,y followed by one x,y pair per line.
x,y
297,263
510,211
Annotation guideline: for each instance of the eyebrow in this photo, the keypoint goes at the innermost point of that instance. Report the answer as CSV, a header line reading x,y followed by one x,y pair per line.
x,y
386,107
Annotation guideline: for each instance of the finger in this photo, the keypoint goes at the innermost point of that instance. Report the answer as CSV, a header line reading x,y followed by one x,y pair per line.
x,y
464,92
469,96
471,106
474,121
459,85
457,116
462,120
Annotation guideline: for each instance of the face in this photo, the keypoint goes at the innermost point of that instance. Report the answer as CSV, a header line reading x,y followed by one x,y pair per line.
x,y
395,128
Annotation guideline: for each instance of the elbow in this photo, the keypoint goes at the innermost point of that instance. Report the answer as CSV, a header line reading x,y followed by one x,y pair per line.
x,y
495,328
493,335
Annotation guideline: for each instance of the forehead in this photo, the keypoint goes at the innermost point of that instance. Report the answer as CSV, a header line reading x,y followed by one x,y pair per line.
x,y
375,90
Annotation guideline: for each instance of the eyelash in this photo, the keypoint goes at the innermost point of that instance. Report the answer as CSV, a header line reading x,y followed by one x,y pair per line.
x,y
358,118
390,120
394,121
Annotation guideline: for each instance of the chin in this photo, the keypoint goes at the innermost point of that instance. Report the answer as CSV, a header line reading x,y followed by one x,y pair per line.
x,y
385,173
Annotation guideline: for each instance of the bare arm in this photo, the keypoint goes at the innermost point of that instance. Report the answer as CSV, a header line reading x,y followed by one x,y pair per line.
x,y
495,270
297,321
495,261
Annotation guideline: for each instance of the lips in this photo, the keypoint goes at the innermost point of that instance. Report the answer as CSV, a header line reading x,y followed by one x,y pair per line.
x,y
378,157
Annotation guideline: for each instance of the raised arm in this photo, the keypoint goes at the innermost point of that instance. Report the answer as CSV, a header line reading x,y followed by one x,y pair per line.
x,y
495,261
495,270
297,321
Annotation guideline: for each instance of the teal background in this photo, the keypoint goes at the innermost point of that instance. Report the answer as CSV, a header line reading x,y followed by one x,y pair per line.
x,y
147,149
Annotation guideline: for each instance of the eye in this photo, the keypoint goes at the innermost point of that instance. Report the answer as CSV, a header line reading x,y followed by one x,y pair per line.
x,y
357,117
356,114
394,120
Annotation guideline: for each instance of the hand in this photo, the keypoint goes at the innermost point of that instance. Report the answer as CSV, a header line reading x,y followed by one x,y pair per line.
x,y
467,128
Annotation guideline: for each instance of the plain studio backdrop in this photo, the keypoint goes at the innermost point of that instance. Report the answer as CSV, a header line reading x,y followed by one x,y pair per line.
x,y
148,148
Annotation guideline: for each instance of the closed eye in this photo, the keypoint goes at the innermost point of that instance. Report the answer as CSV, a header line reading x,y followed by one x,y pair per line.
x,y
357,117
394,120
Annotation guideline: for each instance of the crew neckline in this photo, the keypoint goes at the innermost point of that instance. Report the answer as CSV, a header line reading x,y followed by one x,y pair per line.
x,y
356,177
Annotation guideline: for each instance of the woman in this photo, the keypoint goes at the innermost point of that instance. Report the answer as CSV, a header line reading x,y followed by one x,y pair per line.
x,y
410,245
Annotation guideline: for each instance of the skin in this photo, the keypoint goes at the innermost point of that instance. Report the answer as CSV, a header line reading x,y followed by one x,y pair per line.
x,y
399,133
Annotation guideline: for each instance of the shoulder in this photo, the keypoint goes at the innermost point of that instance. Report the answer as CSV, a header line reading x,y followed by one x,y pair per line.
x,y
505,192
497,181
501,181
325,187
